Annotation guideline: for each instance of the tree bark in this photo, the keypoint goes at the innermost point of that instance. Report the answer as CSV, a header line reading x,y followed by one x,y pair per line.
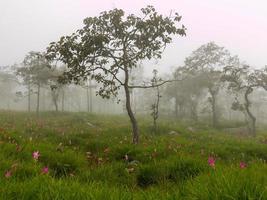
x,y
63,101
29,98
91,96
156,112
213,108
135,128
87,98
176,107
56,105
193,110
252,126
38,99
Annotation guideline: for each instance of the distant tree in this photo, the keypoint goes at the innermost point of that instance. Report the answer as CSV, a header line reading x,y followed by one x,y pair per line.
x,y
55,87
35,71
155,106
242,79
186,93
89,86
8,82
206,64
110,45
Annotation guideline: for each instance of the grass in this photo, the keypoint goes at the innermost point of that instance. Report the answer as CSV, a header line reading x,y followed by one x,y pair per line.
x,y
86,156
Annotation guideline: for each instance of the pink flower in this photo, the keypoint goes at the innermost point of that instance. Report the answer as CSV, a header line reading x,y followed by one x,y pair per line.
x,y
8,174
45,170
211,161
36,155
242,165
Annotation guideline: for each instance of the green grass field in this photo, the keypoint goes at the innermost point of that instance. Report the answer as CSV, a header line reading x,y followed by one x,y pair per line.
x,y
91,157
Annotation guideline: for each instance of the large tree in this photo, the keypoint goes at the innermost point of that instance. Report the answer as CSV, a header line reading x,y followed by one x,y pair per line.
x,y
206,64
110,45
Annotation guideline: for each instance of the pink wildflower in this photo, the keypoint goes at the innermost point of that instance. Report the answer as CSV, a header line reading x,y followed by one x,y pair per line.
x,y
242,165
36,155
45,170
211,161
8,174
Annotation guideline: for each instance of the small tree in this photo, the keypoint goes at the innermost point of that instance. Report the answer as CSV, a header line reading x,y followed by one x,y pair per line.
x,y
110,45
56,87
186,93
155,106
35,71
243,80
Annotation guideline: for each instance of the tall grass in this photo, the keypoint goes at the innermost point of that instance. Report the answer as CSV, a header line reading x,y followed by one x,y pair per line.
x,y
89,162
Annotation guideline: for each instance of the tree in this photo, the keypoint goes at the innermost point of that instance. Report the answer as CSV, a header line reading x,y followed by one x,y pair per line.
x,y
206,63
89,94
35,71
243,80
186,93
8,83
55,86
110,45
155,106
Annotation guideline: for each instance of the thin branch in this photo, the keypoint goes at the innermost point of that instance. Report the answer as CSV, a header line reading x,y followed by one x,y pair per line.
x,y
153,86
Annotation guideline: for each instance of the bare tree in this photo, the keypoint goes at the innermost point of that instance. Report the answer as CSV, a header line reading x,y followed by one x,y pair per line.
x,y
155,106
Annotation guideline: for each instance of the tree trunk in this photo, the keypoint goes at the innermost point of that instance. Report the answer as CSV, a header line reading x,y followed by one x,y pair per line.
x,y
193,110
29,98
38,99
176,107
252,124
87,98
213,108
56,105
63,101
129,109
156,114
91,96
155,125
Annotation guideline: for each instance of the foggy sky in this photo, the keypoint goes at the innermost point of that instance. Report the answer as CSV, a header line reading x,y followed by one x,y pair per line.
x,y
239,25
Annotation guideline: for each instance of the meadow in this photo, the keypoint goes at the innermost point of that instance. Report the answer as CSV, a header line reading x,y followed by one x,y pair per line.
x,y
86,156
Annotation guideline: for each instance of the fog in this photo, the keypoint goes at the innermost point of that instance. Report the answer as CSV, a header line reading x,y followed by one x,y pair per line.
x,y
239,25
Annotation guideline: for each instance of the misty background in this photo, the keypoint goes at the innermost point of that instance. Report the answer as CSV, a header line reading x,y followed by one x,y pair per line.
x,y
25,26
240,26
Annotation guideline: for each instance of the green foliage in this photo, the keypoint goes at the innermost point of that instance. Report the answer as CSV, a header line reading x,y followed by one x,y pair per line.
x,y
186,168
113,43
151,174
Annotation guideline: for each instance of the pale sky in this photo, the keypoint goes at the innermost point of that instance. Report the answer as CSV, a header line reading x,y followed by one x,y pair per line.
x,y
239,25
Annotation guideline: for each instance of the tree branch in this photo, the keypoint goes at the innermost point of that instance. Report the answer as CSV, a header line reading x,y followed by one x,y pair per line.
x,y
153,86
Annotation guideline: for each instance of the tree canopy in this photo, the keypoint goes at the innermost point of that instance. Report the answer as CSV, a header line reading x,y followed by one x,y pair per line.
x,y
110,45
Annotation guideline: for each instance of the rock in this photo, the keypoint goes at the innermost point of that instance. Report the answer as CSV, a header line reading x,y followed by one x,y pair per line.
x,y
173,133
134,162
89,124
191,129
